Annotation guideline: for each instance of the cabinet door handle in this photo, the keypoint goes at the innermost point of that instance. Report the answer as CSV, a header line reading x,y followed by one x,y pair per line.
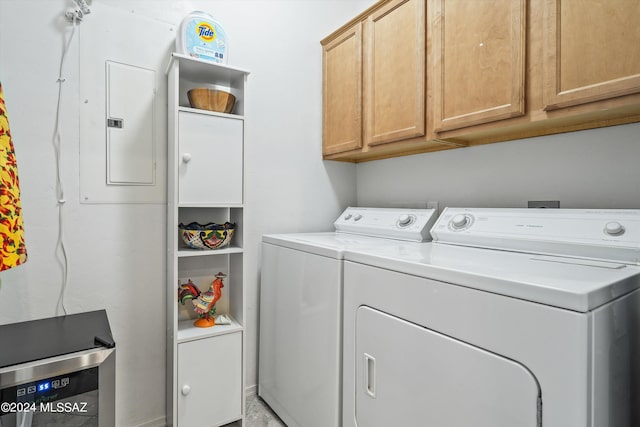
x,y
370,375
186,157
185,390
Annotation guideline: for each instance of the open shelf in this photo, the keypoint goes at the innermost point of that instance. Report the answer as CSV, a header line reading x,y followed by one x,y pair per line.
x,y
196,73
210,113
188,332
211,205
199,69
187,252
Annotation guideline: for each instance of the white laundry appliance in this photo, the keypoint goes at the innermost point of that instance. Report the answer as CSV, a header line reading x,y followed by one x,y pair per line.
x,y
300,352
510,318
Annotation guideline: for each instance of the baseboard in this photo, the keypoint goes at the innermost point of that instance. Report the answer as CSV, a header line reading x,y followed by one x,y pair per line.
x,y
252,390
158,422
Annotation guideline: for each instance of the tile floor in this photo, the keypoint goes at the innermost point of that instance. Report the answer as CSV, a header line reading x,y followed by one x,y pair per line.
x,y
260,415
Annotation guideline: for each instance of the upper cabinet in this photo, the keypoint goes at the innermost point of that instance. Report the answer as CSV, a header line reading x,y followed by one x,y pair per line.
x,y
479,56
394,73
374,84
342,92
411,76
590,51
545,67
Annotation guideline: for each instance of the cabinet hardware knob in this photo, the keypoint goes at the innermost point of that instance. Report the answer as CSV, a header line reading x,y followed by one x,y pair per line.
x,y
186,157
186,390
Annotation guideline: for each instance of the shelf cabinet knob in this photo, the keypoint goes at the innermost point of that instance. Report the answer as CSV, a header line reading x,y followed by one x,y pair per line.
x,y
186,157
185,390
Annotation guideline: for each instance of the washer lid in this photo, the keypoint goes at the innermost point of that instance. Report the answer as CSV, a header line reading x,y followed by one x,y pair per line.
x,y
570,283
361,228
605,234
329,244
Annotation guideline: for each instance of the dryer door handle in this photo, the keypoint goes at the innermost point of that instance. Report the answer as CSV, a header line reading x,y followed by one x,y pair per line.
x,y
370,375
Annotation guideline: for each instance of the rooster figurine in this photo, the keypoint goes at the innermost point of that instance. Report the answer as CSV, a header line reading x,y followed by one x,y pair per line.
x,y
206,301
188,291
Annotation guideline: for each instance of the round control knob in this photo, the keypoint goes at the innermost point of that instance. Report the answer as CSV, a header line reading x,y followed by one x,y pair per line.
x,y
460,221
186,157
404,220
347,217
358,217
614,228
185,390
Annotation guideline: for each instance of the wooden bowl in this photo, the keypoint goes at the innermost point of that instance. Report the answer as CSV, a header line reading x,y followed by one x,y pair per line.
x,y
211,99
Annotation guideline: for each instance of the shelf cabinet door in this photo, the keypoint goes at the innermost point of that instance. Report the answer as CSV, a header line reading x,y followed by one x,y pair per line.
x,y
342,92
590,51
210,156
394,72
209,381
479,61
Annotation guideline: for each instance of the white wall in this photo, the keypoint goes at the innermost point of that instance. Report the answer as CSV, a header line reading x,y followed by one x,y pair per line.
x,y
116,252
586,169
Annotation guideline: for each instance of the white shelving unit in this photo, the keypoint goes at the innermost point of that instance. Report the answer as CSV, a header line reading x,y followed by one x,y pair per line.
x,y
205,366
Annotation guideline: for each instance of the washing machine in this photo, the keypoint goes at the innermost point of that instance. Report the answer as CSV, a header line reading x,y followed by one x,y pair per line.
x,y
300,348
510,318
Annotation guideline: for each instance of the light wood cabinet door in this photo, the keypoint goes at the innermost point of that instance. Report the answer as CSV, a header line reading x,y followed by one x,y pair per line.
x,y
591,51
478,61
394,74
342,92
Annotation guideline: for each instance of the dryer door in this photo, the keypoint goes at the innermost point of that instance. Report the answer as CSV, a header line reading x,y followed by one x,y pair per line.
x,y
407,375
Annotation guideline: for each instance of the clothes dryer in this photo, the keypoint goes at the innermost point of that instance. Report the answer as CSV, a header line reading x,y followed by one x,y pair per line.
x,y
511,317
300,351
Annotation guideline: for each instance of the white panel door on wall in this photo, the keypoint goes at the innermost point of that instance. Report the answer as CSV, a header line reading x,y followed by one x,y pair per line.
x,y
210,156
123,104
130,125
407,375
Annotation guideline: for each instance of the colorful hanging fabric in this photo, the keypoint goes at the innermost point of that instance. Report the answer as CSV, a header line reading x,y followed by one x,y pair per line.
x,y
12,251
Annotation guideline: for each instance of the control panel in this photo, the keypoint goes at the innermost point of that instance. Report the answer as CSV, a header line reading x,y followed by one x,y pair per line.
x,y
401,224
51,389
609,234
